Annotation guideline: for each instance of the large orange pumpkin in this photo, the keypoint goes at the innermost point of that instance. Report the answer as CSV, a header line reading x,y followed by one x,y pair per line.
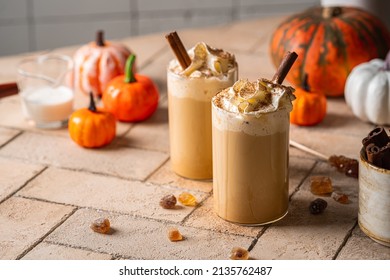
x,y
329,42
97,63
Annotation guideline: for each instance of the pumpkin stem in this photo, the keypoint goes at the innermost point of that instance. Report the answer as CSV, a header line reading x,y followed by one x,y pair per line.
x,y
100,38
329,12
129,75
92,105
306,86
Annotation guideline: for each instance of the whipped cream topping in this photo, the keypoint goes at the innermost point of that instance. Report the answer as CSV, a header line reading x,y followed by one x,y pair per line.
x,y
206,61
255,98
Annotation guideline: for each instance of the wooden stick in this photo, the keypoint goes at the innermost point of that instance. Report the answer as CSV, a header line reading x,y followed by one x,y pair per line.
x,y
308,150
178,49
8,89
284,67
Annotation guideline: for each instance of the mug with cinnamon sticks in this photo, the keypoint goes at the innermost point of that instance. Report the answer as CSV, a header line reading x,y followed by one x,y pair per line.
x,y
374,186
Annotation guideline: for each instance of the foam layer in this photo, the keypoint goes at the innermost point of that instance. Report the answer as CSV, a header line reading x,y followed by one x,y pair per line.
x,y
206,61
259,108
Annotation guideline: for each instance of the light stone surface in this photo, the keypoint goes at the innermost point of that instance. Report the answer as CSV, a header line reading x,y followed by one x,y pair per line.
x,y
165,176
6,134
24,222
48,251
107,193
144,239
361,247
14,174
111,160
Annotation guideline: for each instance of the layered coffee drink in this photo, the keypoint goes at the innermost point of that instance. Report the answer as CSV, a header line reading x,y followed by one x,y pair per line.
x,y
189,106
250,151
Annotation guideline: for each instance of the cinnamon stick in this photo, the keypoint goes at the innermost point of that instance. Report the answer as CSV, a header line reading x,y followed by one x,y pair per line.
x,y
8,89
284,67
378,136
374,155
178,49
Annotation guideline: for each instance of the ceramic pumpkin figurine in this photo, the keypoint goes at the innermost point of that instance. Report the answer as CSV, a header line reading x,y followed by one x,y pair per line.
x,y
92,127
367,91
329,41
309,108
131,97
97,63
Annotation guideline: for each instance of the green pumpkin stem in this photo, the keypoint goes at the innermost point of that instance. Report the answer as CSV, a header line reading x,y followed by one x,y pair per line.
x,y
100,38
92,105
129,74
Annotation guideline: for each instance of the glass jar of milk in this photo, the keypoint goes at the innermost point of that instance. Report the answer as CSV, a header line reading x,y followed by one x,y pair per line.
x,y
46,89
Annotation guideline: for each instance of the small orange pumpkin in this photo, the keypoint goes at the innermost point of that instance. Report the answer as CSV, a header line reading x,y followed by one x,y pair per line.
x,y
97,63
131,97
92,127
309,108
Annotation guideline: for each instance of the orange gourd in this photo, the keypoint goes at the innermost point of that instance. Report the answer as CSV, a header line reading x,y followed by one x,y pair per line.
x,y
92,127
131,97
97,63
329,42
309,108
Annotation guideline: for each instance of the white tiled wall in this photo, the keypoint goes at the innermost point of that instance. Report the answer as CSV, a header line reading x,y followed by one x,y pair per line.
x,y
29,25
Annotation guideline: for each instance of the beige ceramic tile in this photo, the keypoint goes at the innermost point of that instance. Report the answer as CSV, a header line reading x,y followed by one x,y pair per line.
x,y
144,239
24,222
205,217
14,174
165,176
48,251
111,160
361,247
107,193
6,134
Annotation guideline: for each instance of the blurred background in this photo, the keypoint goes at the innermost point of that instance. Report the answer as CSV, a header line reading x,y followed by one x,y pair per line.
x,y
31,25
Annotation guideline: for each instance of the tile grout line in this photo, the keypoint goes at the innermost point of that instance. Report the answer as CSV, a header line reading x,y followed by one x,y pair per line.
x,y
12,138
23,185
254,241
25,252
113,256
155,170
345,240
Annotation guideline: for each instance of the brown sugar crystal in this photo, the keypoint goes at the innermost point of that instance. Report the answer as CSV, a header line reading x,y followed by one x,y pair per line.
x,y
168,201
239,253
340,197
321,185
187,199
174,235
101,225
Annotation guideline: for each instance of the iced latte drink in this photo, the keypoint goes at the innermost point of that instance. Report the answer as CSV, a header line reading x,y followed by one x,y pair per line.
x,y
189,106
250,151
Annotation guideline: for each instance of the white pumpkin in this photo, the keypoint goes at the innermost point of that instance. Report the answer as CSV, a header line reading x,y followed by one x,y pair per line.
x,y
367,91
